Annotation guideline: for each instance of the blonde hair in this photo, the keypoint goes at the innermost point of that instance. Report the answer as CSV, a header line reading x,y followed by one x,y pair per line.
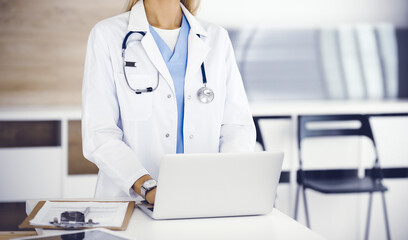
x,y
191,5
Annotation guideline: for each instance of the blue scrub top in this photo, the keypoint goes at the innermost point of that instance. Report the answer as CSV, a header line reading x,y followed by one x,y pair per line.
x,y
177,64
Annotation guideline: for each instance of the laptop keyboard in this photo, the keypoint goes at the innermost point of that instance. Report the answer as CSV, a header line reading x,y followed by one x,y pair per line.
x,y
150,206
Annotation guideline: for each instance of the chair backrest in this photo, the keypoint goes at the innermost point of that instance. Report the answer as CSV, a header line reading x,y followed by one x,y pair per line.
x,y
313,126
258,119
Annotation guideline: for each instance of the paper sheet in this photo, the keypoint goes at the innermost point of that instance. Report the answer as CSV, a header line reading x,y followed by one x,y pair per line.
x,y
107,214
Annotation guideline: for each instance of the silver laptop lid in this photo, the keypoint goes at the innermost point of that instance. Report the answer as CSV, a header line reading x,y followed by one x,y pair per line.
x,y
217,184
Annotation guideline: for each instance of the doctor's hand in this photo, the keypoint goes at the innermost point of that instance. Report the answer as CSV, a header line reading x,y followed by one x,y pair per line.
x,y
150,196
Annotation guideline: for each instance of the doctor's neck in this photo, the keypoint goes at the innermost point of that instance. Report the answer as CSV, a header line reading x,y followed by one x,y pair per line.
x,y
164,14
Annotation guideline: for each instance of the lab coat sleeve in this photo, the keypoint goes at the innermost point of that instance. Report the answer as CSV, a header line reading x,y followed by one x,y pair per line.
x,y
237,130
101,132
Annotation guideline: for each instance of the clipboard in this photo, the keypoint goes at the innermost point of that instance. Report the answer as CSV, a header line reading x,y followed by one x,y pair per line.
x,y
40,204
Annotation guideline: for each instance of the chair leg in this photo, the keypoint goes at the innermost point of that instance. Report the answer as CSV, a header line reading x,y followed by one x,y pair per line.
x,y
295,213
387,225
370,200
305,204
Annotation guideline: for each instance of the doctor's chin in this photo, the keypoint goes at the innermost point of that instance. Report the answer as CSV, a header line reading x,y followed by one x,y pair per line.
x,y
189,119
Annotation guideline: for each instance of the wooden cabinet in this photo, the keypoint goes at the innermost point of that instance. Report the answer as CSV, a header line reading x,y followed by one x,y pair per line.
x,y
41,155
77,164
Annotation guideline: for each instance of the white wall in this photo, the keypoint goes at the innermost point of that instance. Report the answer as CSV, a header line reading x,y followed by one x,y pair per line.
x,y
238,13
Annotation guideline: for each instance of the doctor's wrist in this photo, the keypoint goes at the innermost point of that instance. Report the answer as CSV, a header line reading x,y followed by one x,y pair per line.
x,y
139,182
151,196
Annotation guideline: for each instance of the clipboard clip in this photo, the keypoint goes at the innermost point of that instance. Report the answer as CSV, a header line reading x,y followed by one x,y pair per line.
x,y
73,219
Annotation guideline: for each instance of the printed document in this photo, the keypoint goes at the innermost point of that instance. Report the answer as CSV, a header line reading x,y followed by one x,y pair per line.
x,y
106,214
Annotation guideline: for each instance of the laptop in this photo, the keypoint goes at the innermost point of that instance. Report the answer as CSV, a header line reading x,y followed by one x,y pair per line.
x,y
215,185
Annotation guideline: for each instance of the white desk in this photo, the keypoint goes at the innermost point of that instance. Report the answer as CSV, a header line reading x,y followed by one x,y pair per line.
x,y
295,108
272,226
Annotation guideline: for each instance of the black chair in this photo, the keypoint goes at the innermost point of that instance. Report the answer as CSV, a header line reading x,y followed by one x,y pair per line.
x,y
285,175
259,138
338,181
257,119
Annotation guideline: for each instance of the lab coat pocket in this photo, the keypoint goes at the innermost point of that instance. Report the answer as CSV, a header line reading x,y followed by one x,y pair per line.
x,y
135,107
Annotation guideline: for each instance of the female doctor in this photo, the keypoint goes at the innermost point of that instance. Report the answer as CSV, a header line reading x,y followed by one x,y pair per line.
x,y
158,81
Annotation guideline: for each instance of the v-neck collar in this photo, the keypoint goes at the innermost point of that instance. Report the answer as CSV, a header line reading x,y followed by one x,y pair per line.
x,y
138,20
167,54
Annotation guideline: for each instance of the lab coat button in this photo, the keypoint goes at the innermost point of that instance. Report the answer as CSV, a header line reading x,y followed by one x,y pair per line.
x,y
169,96
191,136
167,135
189,97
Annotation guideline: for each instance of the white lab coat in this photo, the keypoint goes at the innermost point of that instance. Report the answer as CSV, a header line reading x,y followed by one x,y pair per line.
x,y
126,134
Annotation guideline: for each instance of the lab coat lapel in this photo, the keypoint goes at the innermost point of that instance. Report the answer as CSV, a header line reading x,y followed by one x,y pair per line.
x,y
197,48
138,22
197,52
155,56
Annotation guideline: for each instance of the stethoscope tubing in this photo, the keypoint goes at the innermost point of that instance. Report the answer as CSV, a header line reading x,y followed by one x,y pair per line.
x,y
206,98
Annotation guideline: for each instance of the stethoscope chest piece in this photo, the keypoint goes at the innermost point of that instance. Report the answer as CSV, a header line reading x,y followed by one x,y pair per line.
x,y
205,94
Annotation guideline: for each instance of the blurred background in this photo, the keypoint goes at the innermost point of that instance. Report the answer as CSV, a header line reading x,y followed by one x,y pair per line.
x,y
295,57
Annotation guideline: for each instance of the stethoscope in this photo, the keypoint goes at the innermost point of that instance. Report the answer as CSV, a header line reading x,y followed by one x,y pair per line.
x,y
204,94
